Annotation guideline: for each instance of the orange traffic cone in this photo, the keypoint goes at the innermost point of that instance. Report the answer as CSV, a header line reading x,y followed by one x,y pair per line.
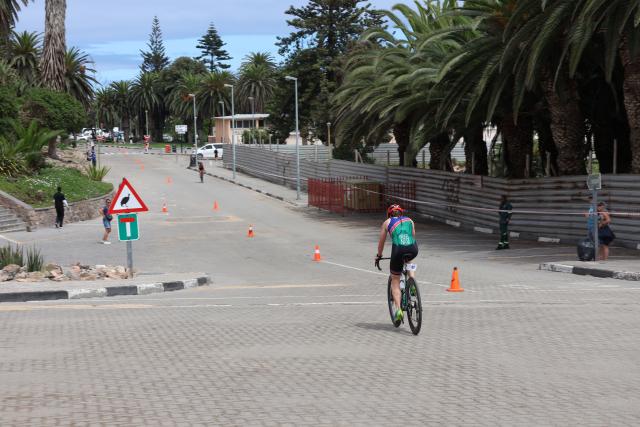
x,y
141,167
169,181
215,205
316,254
455,282
250,233
164,207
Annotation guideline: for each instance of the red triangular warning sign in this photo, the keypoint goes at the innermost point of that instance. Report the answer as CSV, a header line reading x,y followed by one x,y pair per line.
x,y
126,200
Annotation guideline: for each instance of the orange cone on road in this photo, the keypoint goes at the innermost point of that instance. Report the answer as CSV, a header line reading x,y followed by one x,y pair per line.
x,y
250,233
164,207
316,254
455,282
169,180
141,167
215,206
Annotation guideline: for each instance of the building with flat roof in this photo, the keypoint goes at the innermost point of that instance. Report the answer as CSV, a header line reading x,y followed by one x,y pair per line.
x,y
223,126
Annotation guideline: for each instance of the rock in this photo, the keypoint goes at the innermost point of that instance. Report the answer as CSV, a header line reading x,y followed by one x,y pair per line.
x,y
88,276
73,274
21,276
23,270
4,276
12,270
50,268
62,278
36,276
121,270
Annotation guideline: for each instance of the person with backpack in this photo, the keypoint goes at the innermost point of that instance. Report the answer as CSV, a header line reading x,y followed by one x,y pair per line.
x,y
106,221
59,202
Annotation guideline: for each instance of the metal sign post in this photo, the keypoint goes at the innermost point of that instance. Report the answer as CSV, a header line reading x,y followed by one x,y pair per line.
x,y
594,183
125,204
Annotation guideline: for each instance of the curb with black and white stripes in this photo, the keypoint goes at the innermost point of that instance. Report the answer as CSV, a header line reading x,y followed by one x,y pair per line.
x,y
109,291
589,271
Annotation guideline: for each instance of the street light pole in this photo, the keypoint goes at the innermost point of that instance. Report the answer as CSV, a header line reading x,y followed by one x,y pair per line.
x,y
223,129
295,80
146,120
195,126
329,139
233,130
253,119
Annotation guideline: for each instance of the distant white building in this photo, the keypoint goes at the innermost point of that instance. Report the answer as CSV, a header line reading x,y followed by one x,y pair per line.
x,y
222,132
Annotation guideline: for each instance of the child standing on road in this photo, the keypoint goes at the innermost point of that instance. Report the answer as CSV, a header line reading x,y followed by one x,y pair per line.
x,y
106,222
201,171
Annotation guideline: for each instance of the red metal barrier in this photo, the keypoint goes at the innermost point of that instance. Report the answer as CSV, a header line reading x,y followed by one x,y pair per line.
x,y
357,194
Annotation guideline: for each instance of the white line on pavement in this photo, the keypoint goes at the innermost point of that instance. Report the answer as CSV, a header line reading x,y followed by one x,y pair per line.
x,y
10,240
420,282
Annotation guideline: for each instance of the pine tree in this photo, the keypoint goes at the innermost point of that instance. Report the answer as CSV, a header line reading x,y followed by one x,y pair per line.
x,y
155,59
211,46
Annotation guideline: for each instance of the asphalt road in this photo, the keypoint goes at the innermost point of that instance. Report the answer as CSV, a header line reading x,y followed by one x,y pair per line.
x,y
279,339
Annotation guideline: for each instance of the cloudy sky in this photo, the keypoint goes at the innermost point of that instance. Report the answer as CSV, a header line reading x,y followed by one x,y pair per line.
x,y
114,31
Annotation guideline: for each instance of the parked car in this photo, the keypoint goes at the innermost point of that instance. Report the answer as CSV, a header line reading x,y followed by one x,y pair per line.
x,y
208,151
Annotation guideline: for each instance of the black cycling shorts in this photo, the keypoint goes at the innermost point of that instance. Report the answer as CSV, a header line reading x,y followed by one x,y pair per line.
x,y
398,254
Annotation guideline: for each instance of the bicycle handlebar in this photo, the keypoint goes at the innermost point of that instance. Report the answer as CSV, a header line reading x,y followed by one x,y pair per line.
x,y
377,264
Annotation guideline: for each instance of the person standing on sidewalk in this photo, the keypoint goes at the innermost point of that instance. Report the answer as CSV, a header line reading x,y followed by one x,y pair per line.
x,y
106,221
60,202
201,171
93,156
505,218
605,234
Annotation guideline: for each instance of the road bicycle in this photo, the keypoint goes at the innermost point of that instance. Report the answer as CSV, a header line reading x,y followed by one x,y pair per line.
x,y
409,297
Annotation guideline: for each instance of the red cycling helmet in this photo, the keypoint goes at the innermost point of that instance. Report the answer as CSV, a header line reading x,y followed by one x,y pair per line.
x,y
394,208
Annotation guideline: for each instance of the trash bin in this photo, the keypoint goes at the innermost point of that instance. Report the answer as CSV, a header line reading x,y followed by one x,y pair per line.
x,y
174,148
192,161
167,148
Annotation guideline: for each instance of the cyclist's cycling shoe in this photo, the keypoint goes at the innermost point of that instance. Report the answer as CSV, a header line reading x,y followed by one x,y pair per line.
x,y
399,315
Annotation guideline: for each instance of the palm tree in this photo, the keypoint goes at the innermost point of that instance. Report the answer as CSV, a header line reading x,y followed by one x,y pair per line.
x,y
52,63
105,106
79,80
8,15
122,98
259,58
24,50
257,81
212,91
180,102
146,98
619,22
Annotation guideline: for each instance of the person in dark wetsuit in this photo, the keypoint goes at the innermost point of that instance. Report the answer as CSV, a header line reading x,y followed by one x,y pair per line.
x,y
59,202
403,235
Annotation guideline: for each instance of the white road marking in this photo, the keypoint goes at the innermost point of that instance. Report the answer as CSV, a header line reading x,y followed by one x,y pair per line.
x,y
10,240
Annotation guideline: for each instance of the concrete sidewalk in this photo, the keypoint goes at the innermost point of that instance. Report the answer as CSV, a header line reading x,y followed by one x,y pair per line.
x,y
140,285
277,191
628,269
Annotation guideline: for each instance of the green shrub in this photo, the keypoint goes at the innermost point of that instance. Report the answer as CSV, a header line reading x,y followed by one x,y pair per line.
x,y
96,173
11,255
35,260
53,110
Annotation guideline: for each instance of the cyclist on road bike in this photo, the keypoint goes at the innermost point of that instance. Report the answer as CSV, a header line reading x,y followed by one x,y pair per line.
x,y
403,235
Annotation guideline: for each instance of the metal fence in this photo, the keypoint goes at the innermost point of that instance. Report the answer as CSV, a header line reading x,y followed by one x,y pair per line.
x,y
544,207
358,194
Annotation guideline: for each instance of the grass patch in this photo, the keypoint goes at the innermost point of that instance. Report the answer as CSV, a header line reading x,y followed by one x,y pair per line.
x,y
37,190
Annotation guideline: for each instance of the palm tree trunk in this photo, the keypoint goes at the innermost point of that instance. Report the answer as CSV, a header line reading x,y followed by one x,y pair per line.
x,y
52,62
402,134
517,142
440,153
631,87
567,123
475,151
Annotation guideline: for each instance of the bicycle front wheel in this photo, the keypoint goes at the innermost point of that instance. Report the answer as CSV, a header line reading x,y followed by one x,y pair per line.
x,y
414,307
392,313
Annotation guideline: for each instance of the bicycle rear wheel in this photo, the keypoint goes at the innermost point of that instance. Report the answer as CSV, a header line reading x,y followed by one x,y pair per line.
x,y
414,306
392,313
